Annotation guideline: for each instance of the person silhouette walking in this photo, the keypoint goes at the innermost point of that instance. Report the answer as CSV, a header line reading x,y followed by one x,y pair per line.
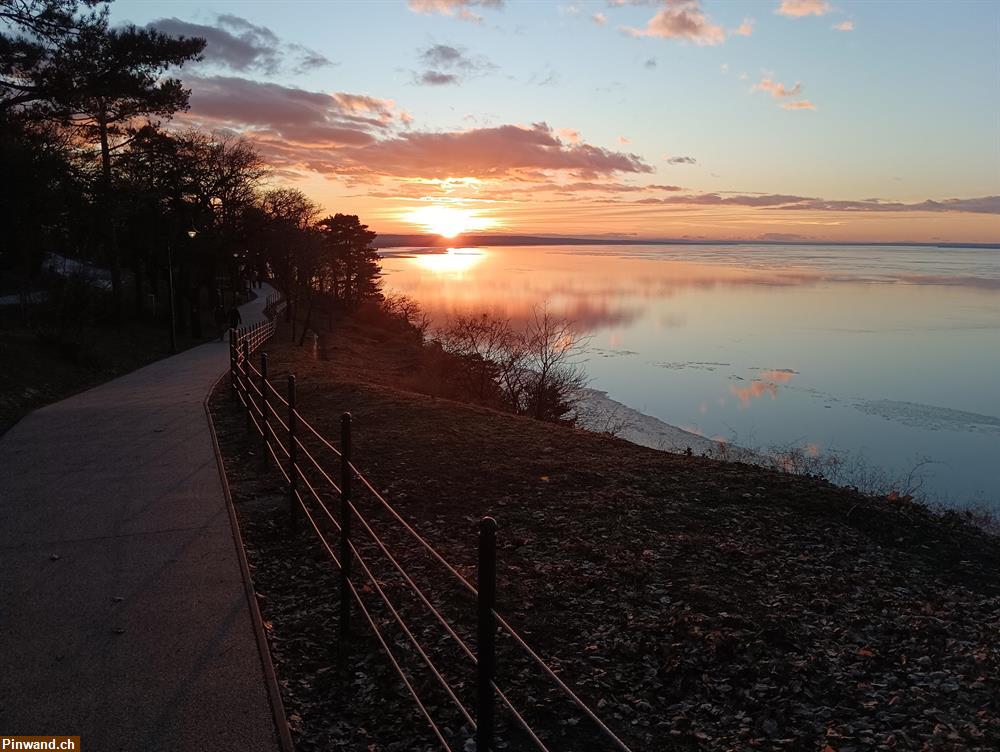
x,y
235,320
220,320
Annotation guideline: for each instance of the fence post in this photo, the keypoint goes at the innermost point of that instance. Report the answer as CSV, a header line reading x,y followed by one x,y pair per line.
x,y
345,531
486,633
293,473
264,443
232,363
245,381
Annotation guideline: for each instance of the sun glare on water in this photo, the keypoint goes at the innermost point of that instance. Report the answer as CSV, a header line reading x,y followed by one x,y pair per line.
x,y
451,262
447,221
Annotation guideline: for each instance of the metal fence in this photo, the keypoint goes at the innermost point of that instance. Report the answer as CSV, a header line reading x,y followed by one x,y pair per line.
x,y
298,451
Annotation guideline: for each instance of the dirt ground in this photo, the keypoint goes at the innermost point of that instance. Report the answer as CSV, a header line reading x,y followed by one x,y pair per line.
x,y
693,604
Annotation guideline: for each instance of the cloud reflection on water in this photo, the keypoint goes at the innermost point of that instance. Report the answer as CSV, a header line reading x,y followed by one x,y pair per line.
x,y
609,290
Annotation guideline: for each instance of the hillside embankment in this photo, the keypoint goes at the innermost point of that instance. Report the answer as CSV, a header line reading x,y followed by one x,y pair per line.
x,y
694,604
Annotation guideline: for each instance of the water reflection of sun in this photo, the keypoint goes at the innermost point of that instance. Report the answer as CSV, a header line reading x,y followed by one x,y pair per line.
x,y
452,261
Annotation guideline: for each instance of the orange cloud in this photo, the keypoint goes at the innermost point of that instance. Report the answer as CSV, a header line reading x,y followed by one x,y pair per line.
x,y
681,19
384,109
488,153
844,26
571,135
802,104
457,8
355,135
548,182
778,376
776,89
799,8
766,384
756,390
745,29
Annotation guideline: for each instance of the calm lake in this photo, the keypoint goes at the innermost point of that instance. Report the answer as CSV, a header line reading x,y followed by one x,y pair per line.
x,y
891,354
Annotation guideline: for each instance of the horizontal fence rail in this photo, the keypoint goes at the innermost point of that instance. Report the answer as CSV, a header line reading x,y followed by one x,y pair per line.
x,y
299,452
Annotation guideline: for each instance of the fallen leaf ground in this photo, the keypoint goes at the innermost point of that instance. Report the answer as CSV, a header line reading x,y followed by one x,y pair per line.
x,y
695,605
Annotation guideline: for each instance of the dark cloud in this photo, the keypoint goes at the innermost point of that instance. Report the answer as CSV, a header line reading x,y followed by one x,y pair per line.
x,y
436,78
714,199
443,56
309,59
447,64
783,236
269,112
681,160
981,205
242,46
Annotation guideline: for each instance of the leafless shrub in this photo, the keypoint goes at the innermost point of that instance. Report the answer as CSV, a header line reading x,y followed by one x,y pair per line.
x,y
533,371
554,376
407,309
840,468
406,312
491,356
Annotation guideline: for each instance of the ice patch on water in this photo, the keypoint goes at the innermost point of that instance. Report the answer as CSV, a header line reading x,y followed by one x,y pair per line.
x,y
930,417
699,365
610,352
598,412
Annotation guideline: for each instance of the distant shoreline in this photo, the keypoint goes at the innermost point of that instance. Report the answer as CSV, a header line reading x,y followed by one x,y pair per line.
x,y
390,240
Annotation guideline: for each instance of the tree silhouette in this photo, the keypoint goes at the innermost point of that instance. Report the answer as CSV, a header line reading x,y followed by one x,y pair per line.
x,y
103,82
352,263
171,182
39,197
289,215
33,35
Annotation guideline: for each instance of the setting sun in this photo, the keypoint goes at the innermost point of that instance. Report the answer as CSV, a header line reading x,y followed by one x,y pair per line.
x,y
447,221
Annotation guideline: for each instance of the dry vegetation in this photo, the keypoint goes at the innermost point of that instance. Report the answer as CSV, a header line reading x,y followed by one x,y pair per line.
x,y
696,604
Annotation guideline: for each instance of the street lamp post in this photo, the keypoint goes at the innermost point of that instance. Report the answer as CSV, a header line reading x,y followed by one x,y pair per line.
x,y
170,297
170,291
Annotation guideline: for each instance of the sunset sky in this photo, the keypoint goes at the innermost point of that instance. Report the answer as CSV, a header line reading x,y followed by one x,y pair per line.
x,y
784,119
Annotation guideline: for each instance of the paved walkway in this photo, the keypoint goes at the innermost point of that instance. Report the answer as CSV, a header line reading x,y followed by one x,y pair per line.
x,y
123,615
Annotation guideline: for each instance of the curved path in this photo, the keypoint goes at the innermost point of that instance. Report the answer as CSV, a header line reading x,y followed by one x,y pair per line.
x,y
123,613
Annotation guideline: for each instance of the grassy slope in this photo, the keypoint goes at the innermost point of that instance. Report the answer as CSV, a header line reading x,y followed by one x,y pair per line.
x,y
36,373
698,604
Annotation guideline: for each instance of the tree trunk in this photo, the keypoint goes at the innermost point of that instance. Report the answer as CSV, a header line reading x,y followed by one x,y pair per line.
x,y
195,312
138,290
111,235
305,326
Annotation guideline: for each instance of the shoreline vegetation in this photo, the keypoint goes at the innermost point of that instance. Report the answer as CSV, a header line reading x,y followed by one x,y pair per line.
x,y
695,603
